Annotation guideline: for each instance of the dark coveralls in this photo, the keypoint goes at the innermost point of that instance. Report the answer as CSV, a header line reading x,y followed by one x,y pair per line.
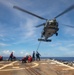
x,y
33,56
11,56
38,56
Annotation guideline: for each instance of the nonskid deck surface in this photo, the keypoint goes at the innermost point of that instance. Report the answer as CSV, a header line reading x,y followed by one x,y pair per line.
x,y
43,67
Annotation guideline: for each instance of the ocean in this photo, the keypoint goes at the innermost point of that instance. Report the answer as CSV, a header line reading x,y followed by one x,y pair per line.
x,y
68,59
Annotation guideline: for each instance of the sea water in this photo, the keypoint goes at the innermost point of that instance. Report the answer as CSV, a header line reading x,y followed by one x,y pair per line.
x,y
68,59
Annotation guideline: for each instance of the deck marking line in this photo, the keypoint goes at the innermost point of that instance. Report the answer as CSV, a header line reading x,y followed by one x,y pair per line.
x,y
64,65
8,65
35,65
15,67
43,63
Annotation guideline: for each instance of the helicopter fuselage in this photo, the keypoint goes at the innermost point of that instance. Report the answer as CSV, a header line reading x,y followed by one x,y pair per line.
x,y
50,26
50,29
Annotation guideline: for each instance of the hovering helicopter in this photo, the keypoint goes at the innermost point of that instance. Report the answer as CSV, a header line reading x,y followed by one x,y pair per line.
x,y
50,26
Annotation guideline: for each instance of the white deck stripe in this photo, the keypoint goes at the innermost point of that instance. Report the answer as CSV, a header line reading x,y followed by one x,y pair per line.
x,y
7,65
64,65
17,68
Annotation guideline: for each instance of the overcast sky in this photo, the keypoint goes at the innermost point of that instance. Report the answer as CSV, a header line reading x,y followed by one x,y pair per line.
x,y
18,32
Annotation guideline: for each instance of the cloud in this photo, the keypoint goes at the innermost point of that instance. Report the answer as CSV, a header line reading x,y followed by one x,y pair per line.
x,y
6,52
7,3
70,53
26,30
2,29
30,28
21,52
3,44
1,35
71,45
62,48
21,30
9,6
54,45
67,2
69,31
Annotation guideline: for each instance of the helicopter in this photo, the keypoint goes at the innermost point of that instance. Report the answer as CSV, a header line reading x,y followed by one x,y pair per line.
x,y
50,26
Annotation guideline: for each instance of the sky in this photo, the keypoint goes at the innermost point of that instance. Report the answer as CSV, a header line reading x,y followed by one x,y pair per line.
x,y
18,33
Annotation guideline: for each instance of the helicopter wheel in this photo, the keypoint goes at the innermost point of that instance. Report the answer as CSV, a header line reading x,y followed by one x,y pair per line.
x,y
56,34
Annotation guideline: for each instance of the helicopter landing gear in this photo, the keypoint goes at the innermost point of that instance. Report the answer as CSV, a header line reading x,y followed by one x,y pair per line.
x,y
44,40
56,34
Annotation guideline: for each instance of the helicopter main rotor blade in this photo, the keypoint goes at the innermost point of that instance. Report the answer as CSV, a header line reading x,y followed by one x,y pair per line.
x,y
40,25
68,25
28,12
67,10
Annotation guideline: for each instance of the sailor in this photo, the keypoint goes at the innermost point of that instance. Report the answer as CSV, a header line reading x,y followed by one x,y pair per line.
x,y
24,60
33,55
1,58
29,59
38,56
11,56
